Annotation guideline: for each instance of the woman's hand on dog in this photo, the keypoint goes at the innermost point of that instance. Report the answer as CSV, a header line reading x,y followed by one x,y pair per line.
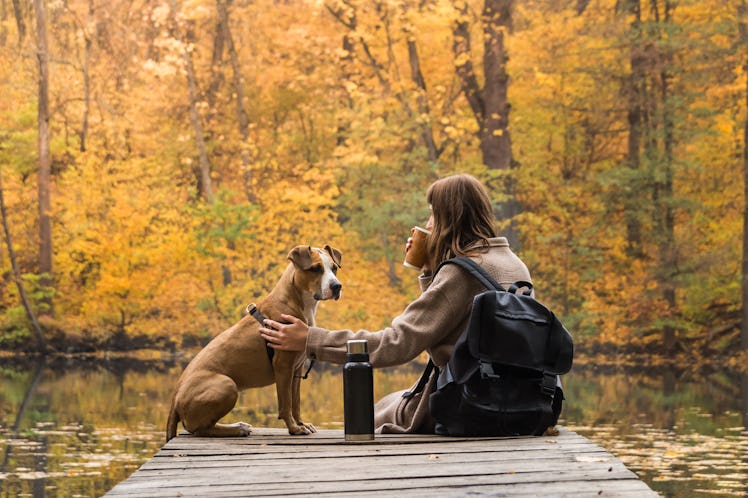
x,y
290,336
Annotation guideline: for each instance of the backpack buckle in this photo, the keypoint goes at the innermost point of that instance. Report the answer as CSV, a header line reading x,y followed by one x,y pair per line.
x,y
487,372
548,385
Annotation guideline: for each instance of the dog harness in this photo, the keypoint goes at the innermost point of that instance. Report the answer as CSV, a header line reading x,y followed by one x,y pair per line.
x,y
252,310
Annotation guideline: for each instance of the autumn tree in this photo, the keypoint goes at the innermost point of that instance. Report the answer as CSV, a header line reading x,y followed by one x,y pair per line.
x,y
663,195
489,103
388,163
45,160
325,122
185,38
37,329
223,27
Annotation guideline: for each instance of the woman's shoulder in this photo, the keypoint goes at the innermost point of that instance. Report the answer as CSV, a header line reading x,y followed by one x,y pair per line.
x,y
503,264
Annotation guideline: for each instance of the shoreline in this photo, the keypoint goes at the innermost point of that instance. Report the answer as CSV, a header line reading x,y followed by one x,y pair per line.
x,y
735,361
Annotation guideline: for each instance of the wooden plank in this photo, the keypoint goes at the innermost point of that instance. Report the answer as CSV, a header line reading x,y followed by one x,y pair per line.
x,y
333,471
269,444
629,489
290,453
520,483
272,463
198,461
260,437
222,461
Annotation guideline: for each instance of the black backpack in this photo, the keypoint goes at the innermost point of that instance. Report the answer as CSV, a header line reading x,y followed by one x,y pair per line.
x,y
503,377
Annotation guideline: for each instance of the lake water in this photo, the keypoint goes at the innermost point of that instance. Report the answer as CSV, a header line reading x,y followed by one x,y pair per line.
x,y
73,427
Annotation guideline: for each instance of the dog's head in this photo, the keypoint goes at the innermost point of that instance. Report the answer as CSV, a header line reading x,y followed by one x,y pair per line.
x,y
316,271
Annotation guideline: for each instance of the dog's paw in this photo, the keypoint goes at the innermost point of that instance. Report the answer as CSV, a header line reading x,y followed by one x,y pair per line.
x,y
302,430
244,428
309,427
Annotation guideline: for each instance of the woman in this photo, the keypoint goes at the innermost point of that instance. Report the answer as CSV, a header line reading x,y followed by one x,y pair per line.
x,y
461,224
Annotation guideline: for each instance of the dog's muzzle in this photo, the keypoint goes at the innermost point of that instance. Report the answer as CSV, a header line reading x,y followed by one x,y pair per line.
x,y
331,292
336,287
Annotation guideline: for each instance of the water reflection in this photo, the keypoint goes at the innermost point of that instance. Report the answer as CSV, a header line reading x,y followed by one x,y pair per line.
x,y
76,428
72,427
683,432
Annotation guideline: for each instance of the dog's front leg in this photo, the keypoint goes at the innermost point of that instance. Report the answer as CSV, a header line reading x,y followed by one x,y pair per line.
x,y
283,366
296,397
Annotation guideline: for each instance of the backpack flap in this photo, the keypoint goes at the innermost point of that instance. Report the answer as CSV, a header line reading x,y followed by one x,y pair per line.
x,y
560,352
517,331
508,330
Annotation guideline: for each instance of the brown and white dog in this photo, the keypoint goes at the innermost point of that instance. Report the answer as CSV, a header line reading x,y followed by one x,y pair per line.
x,y
238,358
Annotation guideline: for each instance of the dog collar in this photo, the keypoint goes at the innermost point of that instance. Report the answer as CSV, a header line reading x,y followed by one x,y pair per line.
x,y
252,310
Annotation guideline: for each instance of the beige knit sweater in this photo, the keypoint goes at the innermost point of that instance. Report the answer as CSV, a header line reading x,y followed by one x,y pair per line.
x,y
432,323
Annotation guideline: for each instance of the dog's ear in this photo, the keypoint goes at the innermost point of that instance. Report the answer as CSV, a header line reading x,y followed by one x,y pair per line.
x,y
301,256
335,255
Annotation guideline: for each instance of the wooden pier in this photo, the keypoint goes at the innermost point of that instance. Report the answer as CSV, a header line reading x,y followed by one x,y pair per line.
x,y
272,463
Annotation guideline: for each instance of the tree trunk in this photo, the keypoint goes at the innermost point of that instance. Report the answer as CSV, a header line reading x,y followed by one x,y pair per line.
x,y
462,49
490,104
496,145
206,184
427,135
495,141
391,273
86,78
635,115
664,187
241,110
45,223
216,76
349,21
35,327
20,24
3,24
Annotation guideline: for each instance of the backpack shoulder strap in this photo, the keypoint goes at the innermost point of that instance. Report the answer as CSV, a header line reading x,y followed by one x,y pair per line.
x,y
425,376
475,270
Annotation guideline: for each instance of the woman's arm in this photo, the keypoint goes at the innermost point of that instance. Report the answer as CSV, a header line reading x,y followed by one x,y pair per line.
x,y
439,312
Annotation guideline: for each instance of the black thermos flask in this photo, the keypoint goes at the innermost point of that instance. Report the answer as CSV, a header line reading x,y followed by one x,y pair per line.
x,y
358,393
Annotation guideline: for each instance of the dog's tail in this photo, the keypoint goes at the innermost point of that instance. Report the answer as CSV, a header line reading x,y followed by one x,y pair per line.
x,y
171,424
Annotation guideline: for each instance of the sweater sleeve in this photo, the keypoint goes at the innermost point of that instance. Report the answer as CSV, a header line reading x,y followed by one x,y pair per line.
x,y
423,324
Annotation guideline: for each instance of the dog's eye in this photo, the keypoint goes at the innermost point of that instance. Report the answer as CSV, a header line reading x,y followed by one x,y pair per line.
x,y
316,269
335,269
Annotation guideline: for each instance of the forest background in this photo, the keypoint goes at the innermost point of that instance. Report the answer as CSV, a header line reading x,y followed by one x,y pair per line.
x,y
159,158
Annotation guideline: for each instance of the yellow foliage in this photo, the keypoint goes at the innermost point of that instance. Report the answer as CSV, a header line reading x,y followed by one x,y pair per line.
x,y
335,142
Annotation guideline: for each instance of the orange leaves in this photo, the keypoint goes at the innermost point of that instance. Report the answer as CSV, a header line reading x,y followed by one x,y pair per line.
x,y
123,248
342,138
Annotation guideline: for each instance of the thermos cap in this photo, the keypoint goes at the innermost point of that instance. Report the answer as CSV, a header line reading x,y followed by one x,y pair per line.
x,y
357,346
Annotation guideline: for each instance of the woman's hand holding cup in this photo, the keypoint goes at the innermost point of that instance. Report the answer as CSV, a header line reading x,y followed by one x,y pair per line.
x,y
415,248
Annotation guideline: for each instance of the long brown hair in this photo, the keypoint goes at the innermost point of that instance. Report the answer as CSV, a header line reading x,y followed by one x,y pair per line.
x,y
463,216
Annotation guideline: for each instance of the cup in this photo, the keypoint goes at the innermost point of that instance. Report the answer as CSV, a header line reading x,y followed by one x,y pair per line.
x,y
415,257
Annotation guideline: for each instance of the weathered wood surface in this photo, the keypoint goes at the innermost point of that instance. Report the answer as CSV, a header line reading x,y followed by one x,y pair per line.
x,y
272,463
